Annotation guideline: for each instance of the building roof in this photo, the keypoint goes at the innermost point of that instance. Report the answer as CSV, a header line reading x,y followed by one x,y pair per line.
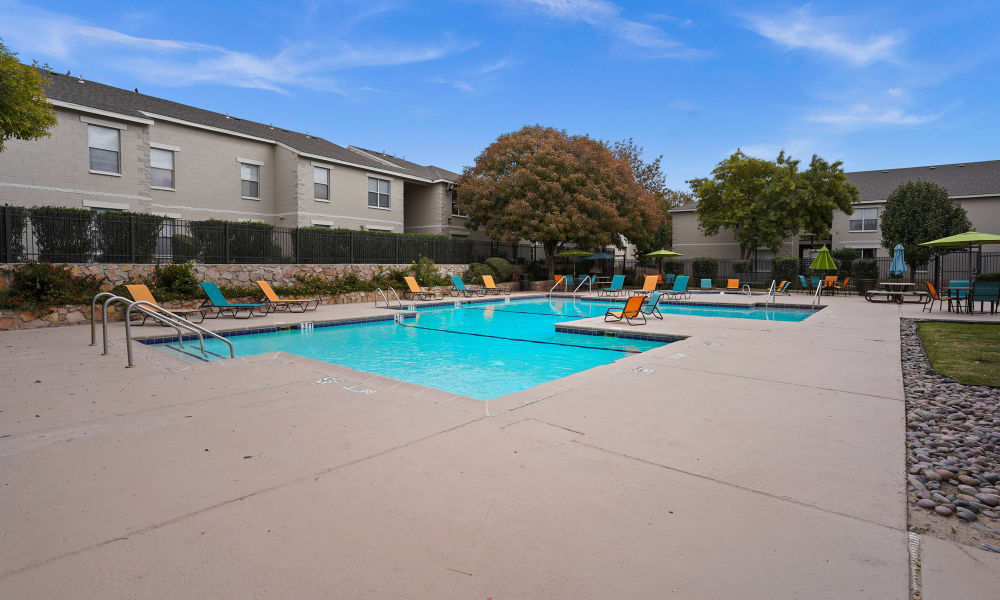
x,y
94,95
960,179
429,171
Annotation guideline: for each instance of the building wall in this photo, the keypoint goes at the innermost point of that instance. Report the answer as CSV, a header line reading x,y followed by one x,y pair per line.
x,y
55,170
424,211
984,214
348,207
692,243
843,237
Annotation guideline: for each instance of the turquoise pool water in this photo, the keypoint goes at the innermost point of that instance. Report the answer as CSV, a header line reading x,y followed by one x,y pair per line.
x,y
481,350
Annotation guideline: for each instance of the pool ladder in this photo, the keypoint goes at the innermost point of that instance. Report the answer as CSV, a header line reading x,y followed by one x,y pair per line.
x,y
153,311
769,296
379,292
590,288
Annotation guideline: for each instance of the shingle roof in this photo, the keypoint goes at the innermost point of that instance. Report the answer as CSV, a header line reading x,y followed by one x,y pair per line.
x,y
91,94
960,179
430,171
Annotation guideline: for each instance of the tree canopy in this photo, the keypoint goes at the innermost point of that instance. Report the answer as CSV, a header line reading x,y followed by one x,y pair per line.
x,y
542,185
25,113
764,202
918,212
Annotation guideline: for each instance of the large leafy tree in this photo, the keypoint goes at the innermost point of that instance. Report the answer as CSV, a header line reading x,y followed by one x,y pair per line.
x,y
918,212
545,186
764,202
25,114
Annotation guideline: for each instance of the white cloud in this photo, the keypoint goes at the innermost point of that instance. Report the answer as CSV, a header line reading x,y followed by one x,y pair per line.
x,y
863,115
462,86
36,32
800,29
679,21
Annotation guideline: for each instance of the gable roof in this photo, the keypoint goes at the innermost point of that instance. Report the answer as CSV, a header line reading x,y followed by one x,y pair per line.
x,y
960,179
94,95
430,171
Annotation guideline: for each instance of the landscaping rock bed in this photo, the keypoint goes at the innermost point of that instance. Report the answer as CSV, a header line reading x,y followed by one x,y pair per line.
x,y
953,450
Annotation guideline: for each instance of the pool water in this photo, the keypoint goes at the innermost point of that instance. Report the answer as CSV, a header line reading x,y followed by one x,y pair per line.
x,y
481,350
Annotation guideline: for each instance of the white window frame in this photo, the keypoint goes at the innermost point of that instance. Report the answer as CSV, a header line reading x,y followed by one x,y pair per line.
x,y
859,213
455,212
173,168
378,194
326,170
257,168
118,151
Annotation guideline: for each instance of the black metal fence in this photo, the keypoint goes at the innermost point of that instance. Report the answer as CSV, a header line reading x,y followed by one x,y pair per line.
x,y
129,238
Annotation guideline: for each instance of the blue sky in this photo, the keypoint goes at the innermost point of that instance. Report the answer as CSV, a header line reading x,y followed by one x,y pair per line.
x,y
877,85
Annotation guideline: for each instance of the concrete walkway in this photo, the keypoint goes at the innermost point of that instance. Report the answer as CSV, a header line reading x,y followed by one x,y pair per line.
x,y
754,459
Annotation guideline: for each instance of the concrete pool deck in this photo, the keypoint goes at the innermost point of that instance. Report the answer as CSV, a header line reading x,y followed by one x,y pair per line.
x,y
753,459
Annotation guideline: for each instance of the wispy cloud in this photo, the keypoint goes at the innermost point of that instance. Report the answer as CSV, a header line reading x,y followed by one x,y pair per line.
x,y
635,37
458,84
800,29
679,21
37,32
889,108
477,79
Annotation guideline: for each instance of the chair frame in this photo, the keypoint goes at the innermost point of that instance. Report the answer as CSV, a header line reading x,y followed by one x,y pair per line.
x,y
232,310
624,314
285,303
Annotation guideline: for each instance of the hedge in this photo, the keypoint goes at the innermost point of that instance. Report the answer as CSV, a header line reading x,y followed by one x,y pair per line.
x,y
704,268
62,234
502,269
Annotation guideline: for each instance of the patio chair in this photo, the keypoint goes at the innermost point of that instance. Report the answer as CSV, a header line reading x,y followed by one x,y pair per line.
x,y
842,285
782,288
805,285
491,286
217,302
632,310
732,284
986,291
615,289
460,288
706,284
680,288
289,304
649,308
141,293
668,279
932,296
648,286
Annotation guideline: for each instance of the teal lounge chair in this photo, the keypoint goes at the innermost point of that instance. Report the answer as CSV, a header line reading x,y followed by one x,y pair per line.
x,y
783,289
461,289
986,291
669,279
805,285
615,289
706,284
649,307
217,304
680,288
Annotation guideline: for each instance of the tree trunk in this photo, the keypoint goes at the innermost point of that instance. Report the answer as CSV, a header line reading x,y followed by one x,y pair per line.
x,y
550,250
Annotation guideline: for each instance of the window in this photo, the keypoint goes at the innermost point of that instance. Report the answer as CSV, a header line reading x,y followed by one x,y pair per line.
x,y
378,193
864,219
455,210
103,143
321,183
249,180
868,252
161,168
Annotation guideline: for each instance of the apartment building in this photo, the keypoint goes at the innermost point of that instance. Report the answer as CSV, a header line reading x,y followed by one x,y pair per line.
x,y
975,185
115,149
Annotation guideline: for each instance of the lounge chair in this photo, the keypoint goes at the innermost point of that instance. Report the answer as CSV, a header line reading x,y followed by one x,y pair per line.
x,y
217,302
649,308
289,304
706,284
460,288
615,288
680,288
632,310
805,285
648,286
841,286
491,286
782,288
985,291
141,293
732,284
933,296
415,291
668,279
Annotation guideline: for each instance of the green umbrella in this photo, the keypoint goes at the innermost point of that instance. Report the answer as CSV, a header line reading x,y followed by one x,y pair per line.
x,y
823,261
965,240
574,253
664,253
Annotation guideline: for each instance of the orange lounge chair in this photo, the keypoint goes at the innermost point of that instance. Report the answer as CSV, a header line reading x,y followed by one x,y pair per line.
x,y
632,310
648,286
491,287
289,304
418,292
732,284
842,285
141,293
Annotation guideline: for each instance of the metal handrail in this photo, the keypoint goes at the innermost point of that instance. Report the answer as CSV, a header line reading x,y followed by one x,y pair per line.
x,y
174,320
585,279
556,285
104,320
93,320
379,291
746,289
769,296
816,296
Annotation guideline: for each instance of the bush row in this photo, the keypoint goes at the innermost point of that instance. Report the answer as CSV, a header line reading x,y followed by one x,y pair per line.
x,y
499,268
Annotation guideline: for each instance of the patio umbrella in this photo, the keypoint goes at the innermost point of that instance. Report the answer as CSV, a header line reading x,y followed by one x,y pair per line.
x,y
823,261
898,266
659,254
600,256
574,254
965,240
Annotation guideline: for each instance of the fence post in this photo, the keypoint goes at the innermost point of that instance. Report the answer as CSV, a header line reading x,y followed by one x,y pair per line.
x,y
225,237
131,238
351,244
7,249
295,245
397,248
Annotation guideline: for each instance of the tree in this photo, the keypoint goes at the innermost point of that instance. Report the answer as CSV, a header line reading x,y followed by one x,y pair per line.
x,y
918,212
545,186
25,114
764,202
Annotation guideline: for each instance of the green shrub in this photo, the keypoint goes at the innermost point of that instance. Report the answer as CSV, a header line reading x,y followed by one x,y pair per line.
x,y
389,277
536,270
474,274
865,268
704,268
177,279
248,242
988,277
184,248
322,245
41,285
785,268
427,274
13,248
62,234
845,257
113,236
502,269
741,266
673,266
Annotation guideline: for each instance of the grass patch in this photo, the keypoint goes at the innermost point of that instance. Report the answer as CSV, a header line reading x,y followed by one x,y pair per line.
x,y
968,352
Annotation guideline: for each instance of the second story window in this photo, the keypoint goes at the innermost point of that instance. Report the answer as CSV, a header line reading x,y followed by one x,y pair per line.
x,y
378,193
321,183
104,149
161,168
455,210
864,219
249,181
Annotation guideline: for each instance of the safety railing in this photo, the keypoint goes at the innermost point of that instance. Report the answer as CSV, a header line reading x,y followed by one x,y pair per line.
x,y
818,294
585,280
563,282
379,292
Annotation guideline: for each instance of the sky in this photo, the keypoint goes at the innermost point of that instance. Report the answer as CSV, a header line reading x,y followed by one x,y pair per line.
x,y
876,85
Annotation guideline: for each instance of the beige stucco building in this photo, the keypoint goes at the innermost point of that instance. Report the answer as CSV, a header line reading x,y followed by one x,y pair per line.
x,y
975,185
114,149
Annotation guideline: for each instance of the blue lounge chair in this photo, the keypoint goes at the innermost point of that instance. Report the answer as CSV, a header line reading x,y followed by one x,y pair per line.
x,y
680,288
461,289
649,307
669,279
615,289
706,284
805,285
217,304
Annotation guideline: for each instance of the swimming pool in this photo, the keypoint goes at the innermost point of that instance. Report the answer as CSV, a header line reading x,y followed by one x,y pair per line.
x,y
482,349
